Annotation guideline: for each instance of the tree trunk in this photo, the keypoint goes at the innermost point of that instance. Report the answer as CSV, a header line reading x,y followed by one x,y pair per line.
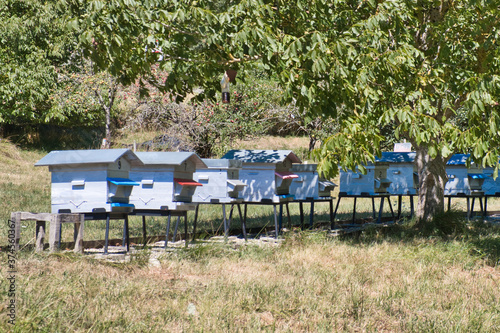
x,y
431,181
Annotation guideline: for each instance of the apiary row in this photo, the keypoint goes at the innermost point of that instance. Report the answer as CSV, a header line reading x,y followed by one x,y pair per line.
x,y
121,181
394,173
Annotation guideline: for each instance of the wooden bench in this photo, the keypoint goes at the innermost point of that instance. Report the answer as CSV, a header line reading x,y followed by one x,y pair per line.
x,y
55,220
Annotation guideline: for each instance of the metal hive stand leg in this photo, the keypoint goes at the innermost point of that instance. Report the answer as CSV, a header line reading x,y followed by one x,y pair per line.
x,y
243,225
332,219
174,237
168,229
301,210
195,222
380,210
332,226
311,216
144,234
186,229
276,222
106,235
280,216
224,221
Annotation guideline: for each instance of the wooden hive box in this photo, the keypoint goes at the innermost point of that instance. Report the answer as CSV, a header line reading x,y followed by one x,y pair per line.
x,y
306,185
401,172
220,180
166,180
266,173
374,182
90,181
463,180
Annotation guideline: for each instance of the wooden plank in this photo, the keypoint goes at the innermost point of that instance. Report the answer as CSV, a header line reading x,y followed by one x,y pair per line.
x,y
70,218
40,235
15,217
27,216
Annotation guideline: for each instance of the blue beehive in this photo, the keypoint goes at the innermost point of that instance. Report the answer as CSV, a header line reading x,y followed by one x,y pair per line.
x,y
266,173
491,186
401,172
463,180
91,181
220,180
166,180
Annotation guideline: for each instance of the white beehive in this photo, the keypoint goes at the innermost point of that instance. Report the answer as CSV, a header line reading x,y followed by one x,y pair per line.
x,y
90,181
306,185
463,180
401,172
309,185
166,180
374,182
266,173
220,180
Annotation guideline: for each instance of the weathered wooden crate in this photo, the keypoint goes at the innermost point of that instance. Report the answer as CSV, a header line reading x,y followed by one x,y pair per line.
x,y
463,179
90,181
374,182
166,180
401,172
220,180
266,173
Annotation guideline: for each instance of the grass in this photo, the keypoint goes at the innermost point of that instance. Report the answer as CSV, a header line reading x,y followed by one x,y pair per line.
x,y
309,283
395,279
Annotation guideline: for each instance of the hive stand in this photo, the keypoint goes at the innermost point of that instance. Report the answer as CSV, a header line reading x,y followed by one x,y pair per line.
x,y
226,220
312,201
363,195
165,213
470,205
55,220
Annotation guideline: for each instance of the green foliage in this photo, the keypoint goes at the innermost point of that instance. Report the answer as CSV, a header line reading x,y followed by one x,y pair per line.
x,y
32,43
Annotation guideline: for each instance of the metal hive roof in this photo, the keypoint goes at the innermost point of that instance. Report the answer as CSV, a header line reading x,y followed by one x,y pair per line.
x,y
222,163
458,159
170,158
88,156
262,156
397,157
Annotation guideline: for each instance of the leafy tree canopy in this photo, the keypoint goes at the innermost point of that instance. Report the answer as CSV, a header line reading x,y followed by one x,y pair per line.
x,y
413,64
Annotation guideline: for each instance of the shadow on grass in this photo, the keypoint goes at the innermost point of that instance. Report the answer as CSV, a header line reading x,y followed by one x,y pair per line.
x,y
482,237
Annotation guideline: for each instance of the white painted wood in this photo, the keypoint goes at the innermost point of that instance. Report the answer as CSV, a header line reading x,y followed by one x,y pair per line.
x,y
374,182
220,182
306,186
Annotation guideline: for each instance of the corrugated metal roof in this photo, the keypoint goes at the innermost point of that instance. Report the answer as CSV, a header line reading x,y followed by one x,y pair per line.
x,y
88,156
219,163
170,158
396,157
262,156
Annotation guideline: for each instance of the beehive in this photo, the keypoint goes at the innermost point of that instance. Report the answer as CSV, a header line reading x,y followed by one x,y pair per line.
x,y
166,180
309,185
266,173
91,181
463,180
374,182
220,180
401,172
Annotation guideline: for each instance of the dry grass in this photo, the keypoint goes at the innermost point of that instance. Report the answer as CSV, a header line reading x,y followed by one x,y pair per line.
x,y
310,283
